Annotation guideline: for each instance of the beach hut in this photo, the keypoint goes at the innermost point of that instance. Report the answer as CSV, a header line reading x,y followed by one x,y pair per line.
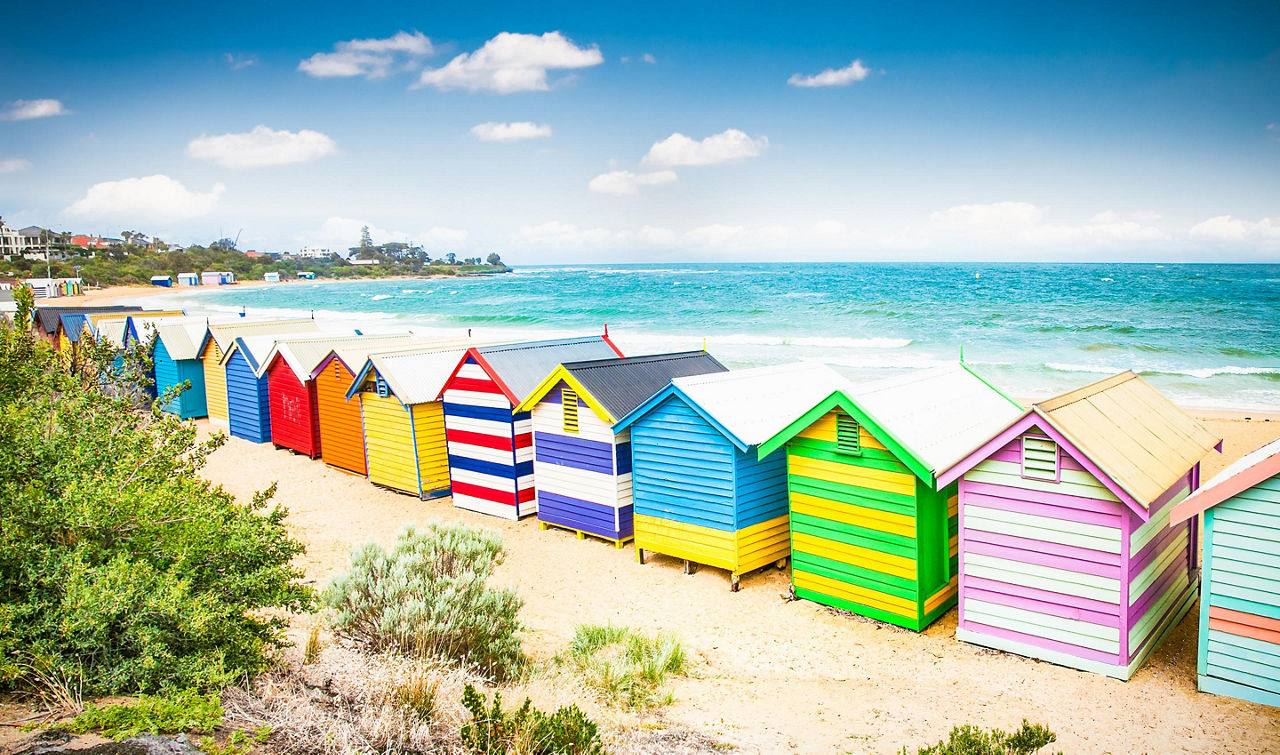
x,y
210,278
1239,646
306,275
48,320
293,404
701,492
271,277
581,466
139,326
177,360
165,281
872,527
338,420
248,387
1067,553
188,279
491,445
216,343
403,418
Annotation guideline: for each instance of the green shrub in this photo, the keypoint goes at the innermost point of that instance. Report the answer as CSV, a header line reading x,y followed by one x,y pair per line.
x,y
970,740
623,665
121,570
527,730
173,714
429,597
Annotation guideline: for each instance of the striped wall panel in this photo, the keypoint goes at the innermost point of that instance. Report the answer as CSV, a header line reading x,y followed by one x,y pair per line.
x,y
248,407
490,451
1239,653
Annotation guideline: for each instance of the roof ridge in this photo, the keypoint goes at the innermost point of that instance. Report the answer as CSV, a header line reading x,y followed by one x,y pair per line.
x,y
527,345
639,358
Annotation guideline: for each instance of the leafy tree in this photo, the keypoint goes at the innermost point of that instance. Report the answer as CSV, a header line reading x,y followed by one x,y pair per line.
x,y
494,259
366,241
451,259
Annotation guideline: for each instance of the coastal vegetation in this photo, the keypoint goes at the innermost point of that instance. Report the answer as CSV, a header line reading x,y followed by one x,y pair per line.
x,y
624,666
972,740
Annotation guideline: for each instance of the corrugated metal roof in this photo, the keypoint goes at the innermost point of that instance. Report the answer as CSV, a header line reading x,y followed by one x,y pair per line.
x,y
139,326
621,384
111,330
258,345
354,354
224,334
418,376
183,339
48,316
939,415
305,353
1247,471
520,367
1132,432
754,405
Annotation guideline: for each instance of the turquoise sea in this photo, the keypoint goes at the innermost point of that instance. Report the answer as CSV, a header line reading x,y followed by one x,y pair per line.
x,y
1206,334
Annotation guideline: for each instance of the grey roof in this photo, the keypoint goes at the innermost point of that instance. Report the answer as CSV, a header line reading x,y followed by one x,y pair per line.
x,y
621,384
520,367
48,316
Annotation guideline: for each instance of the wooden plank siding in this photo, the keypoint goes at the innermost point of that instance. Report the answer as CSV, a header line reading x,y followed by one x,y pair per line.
x,y
583,479
248,408
700,498
170,372
215,384
1239,653
1064,571
490,449
389,441
866,534
341,430
292,407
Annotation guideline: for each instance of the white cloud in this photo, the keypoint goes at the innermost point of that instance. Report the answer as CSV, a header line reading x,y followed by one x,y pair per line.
x,y
370,58
1023,223
829,228
832,77
510,132
339,234
238,62
624,182
152,198
714,235
727,146
262,146
559,234
14,165
512,63
1229,228
648,58
25,110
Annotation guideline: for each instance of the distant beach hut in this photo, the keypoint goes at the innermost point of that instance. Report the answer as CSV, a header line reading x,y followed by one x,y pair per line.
x,y
1067,553
701,491
177,360
873,529
162,280
338,419
218,340
293,404
404,435
188,279
306,275
582,467
48,320
1239,650
491,445
210,278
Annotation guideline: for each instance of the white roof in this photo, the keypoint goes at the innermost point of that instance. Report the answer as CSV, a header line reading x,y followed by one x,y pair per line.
x,y
304,353
417,377
112,331
182,336
756,404
354,354
940,414
260,345
224,334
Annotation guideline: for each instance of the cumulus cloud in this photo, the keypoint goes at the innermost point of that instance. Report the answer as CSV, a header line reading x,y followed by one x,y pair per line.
x,y
512,63
728,146
152,198
1003,223
341,233
370,58
716,234
14,165
237,62
510,132
832,77
624,182
25,110
260,147
648,58
1230,229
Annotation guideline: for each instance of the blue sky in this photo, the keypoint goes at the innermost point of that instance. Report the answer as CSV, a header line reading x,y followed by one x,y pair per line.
x,y
680,131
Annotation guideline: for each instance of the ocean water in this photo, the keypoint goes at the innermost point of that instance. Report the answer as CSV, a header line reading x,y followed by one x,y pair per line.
x,y
1206,334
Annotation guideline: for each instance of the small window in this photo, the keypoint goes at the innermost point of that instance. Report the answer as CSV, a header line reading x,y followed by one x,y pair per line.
x,y
1040,458
848,435
380,384
569,399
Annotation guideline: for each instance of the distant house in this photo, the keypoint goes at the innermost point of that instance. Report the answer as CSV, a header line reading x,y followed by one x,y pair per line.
x,y
10,241
314,252
363,262
91,242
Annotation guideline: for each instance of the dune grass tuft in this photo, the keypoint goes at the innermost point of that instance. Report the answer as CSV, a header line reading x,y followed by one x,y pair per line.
x,y
623,665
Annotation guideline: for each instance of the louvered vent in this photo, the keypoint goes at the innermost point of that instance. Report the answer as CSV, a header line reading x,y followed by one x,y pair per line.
x,y
1039,458
380,383
848,435
570,401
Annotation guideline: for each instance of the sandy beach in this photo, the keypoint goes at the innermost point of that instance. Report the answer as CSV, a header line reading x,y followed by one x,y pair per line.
x,y
773,675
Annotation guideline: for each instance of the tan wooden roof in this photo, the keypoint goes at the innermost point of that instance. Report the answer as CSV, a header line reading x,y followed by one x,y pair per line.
x,y
1132,432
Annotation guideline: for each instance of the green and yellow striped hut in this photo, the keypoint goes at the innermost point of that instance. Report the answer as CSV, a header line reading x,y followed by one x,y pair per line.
x,y
870,531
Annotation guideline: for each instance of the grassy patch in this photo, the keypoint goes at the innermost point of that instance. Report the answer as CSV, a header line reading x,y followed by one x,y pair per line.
x,y
182,712
971,740
624,666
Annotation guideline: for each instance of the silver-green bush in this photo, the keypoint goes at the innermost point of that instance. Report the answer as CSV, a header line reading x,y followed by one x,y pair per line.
x,y
429,597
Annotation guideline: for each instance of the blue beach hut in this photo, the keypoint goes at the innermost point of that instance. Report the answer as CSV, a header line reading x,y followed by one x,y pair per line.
x,y
700,490
248,395
177,360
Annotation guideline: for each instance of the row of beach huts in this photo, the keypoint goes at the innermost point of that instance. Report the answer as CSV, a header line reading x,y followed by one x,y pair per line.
x,y
1066,530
